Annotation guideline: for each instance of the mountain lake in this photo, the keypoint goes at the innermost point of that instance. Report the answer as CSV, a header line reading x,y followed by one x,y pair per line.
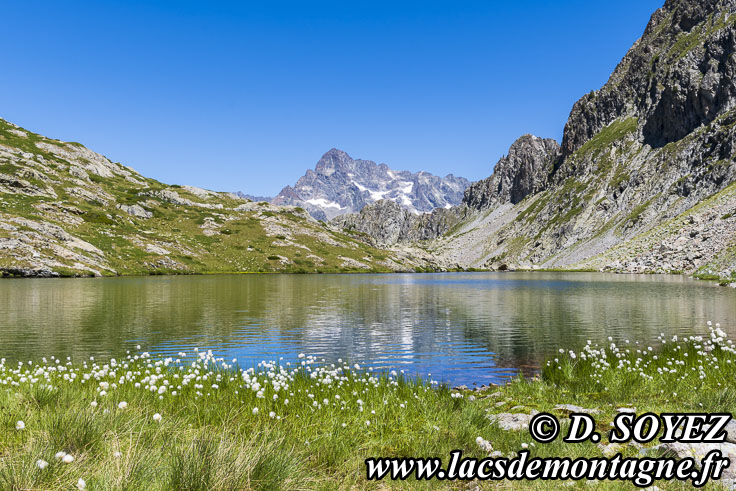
x,y
462,328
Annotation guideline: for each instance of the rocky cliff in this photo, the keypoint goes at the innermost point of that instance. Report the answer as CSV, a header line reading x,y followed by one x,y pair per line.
x,y
386,223
340,184
524,171
649,151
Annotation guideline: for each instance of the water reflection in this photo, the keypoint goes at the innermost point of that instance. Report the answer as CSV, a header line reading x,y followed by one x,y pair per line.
x,y
462,328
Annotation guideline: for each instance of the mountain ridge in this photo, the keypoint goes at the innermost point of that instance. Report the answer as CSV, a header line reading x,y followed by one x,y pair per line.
x,y
645,150
643,181
340,184
68,211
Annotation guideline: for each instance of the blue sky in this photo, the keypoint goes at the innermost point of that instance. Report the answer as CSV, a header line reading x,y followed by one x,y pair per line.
x,y
248,95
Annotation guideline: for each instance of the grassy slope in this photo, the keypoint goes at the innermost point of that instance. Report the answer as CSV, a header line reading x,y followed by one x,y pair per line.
x,y
240,242
209,436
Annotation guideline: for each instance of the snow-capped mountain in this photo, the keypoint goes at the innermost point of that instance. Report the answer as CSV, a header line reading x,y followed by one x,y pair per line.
x,y
340,184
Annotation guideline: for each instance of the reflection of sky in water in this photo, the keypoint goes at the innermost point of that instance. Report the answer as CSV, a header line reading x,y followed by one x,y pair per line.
x,y
462,328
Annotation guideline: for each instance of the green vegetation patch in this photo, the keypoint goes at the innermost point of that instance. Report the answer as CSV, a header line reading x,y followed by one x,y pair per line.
x,y
614,132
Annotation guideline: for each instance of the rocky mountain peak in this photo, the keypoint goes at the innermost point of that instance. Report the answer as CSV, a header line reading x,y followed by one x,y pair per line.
x,y
340,184
331,161
524,171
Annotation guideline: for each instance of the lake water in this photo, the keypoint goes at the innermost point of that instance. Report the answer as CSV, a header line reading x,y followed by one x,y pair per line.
x,y
463,328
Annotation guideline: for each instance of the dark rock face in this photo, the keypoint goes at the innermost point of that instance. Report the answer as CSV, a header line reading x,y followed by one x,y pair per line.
x,y
340,184
696,97
28,273
677,77
524,171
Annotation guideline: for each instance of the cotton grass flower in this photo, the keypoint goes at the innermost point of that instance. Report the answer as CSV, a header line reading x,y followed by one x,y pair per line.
x,y
157,418
484,444
59,455
20,426
41,464
123,405
81,484
67,459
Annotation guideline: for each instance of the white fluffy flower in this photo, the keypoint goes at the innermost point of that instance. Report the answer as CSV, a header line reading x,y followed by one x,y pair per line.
x,y
484,444
41,464
20,425
81,484
157,417
122,405
67,459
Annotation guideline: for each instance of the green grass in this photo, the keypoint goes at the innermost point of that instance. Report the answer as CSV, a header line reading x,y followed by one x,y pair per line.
x,y
612,133
688,41
638,211
311,425
97,217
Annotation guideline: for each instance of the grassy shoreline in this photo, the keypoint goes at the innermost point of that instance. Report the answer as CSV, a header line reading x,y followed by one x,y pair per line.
x,y
5,274
721,281
310,424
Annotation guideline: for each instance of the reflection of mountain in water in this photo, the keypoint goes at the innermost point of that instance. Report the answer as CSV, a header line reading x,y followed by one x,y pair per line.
x,y
461,327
